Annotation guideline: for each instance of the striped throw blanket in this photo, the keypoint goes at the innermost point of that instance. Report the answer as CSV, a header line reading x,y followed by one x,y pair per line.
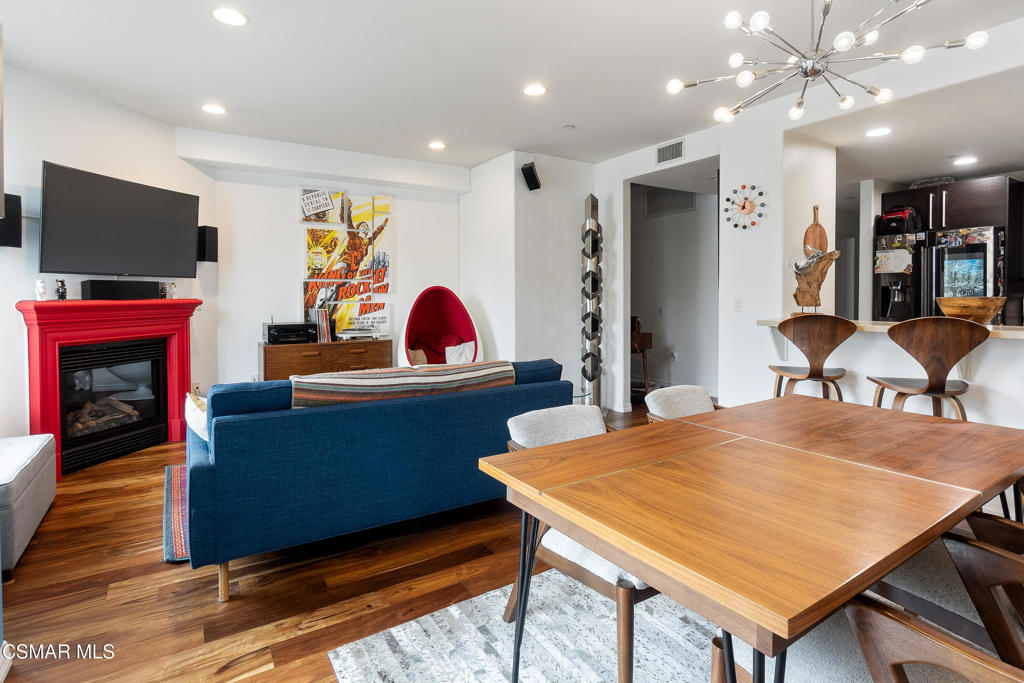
x,y
328,388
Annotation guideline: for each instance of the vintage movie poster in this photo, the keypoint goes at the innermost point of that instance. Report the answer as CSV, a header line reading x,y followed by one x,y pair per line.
x,y
349,305
321,206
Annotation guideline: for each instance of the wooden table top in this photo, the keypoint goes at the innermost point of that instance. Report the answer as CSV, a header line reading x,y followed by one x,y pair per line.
x,y
768,517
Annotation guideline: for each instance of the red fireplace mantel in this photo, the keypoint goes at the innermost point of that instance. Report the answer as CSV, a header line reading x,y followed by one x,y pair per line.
x,y
53,324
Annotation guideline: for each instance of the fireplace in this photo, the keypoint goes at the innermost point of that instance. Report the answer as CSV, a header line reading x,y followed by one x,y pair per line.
x,y
113,400
84,355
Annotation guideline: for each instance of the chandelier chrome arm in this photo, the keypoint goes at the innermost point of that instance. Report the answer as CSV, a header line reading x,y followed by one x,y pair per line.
x,y
794,51
885,8
869,89
825,9
740,106
788,50
882,56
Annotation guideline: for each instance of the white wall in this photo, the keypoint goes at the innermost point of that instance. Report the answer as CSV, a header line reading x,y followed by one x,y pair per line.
x,y
262,257
44,120
809,180
674,291
870,206
486,252
548,262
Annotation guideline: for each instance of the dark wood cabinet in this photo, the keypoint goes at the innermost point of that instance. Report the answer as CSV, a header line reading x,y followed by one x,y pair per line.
x,y
923,201
281,361
979,202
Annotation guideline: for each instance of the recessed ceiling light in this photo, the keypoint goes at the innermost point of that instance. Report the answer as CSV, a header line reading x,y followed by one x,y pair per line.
x,y
231,17
214,109
965,161
436,144
877,132
535,90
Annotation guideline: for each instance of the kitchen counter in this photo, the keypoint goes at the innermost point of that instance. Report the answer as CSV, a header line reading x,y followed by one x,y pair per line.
x,y
997,331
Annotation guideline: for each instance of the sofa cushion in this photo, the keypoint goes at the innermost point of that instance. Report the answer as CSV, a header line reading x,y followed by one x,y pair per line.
x,y
247,397
195,416
530,371
387,383
22,459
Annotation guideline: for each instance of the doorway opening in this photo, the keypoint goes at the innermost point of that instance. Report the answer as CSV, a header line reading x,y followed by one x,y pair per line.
x,y
674,224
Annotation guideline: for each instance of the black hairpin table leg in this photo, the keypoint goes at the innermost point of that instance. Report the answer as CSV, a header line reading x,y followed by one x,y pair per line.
x,y
527,558
757,675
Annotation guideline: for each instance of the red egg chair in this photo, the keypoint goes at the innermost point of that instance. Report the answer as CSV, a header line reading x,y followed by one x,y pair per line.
x,y
437,320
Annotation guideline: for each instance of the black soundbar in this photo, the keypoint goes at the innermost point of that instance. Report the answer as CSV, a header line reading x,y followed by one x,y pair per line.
x,y
119,290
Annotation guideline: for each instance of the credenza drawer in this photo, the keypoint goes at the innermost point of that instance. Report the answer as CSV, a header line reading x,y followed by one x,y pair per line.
x,y
281,361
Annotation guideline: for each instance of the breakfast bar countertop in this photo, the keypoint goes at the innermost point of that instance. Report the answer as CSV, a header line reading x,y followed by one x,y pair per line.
x,y
998,331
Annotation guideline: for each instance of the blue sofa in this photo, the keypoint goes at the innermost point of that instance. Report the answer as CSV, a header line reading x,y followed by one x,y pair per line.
x,y
272,477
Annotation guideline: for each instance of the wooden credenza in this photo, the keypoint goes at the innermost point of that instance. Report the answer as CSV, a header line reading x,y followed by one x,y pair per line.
x,y
281,361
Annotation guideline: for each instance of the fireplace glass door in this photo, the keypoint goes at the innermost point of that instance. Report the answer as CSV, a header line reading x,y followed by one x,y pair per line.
x,y
113,400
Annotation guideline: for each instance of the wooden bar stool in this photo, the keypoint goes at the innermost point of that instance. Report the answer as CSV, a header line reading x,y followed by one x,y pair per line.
x,y
817,336
937,344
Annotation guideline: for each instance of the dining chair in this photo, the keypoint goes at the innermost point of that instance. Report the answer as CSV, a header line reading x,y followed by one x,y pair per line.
x,y
669,403
937,344
817,336
891,637
556,425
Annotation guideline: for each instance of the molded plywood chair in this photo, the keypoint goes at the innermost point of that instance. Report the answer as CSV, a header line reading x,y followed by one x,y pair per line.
x,y
891,637
556,425
817,336
669,403
937,344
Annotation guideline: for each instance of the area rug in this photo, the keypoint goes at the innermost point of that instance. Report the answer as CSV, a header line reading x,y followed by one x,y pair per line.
x,y
175,513
570,636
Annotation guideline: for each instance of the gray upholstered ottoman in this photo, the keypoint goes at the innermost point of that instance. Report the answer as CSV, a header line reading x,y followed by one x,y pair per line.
x,y
28,484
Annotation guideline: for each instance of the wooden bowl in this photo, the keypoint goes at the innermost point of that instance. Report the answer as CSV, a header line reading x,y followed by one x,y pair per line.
x,y
979,309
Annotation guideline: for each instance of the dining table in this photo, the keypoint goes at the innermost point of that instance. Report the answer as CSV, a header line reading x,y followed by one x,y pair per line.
x,y
763,518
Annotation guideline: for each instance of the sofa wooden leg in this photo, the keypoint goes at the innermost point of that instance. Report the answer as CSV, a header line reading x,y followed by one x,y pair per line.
x,y
222,582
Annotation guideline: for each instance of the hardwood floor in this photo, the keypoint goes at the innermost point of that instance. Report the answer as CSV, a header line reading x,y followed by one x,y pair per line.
x,y
94,574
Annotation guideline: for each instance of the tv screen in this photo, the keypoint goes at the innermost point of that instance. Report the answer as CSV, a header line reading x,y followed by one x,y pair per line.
x,y
97,225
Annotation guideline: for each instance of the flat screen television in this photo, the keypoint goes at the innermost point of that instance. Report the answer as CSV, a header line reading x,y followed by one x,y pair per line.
x,y
97,225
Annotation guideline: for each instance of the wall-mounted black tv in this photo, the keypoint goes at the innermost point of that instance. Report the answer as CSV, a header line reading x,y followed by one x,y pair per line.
x,y
97,225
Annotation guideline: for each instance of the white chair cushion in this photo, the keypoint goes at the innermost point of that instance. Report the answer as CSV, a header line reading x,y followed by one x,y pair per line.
x,y
679,401
460,354
556,425
195,416
563,546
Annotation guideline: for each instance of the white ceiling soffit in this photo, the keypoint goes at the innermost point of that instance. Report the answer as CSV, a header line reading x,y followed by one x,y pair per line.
x,y
388,77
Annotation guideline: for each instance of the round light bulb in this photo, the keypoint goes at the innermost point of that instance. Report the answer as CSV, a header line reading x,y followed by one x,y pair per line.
x,y
745,78
913,54
793,59
846,102
759,20
733,20
736,60
884,95
844,41
796,113
674,86
871,37
977,40
212,108
724,115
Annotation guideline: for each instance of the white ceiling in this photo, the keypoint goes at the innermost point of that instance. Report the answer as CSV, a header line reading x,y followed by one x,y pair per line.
x,y
387,76
980,118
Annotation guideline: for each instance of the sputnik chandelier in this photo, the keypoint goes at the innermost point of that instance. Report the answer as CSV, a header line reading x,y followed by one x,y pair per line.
x,y
817,63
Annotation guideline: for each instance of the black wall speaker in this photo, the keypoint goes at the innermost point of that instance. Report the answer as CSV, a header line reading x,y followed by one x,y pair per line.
x,y
119,290
10,224
207,250
530,176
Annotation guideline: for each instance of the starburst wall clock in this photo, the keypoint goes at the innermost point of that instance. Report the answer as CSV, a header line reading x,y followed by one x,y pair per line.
x,y
744,207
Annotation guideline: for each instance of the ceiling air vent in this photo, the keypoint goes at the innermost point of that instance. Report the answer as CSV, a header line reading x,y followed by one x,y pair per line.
x,y
662,201
670,152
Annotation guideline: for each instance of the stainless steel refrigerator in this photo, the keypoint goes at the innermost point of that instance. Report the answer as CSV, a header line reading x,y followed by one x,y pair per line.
x,y
965,262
